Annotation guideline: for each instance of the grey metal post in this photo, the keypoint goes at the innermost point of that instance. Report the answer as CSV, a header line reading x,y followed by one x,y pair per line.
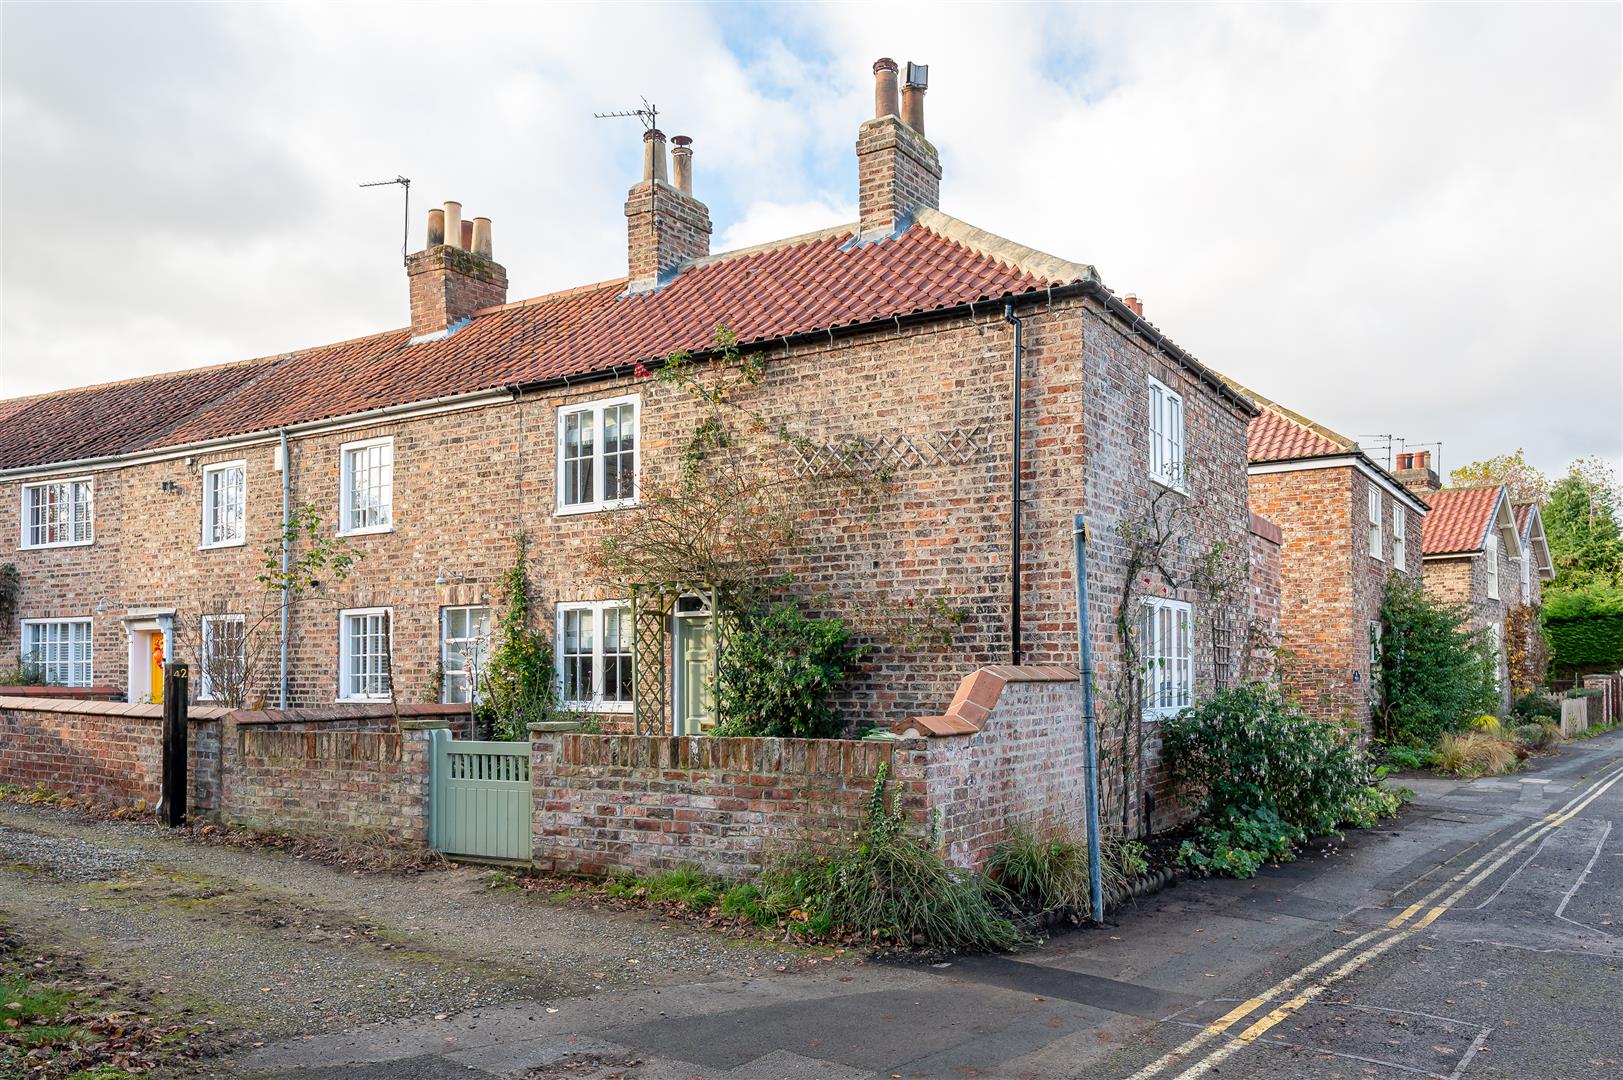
x,y
1090,745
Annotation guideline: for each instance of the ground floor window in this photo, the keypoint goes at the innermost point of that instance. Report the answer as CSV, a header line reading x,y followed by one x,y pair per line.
x,y
464,651
363,655
1374,645
58,650
594,656
1168,667
224,659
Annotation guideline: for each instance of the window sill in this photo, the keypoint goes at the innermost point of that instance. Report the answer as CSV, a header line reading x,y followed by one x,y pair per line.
x,y
362,701
371,530
1170,485
60,544
222,544
594,508
604,707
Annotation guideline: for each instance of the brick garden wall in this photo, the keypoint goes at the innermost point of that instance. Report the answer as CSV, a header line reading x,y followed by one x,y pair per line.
x,y
642,802
105,751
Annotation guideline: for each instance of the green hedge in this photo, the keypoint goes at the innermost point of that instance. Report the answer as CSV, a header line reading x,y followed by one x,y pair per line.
x,y
1585,630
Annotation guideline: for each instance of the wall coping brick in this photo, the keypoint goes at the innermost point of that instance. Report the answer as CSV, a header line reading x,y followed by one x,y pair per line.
x,y
326,713
1261,526
977,696
101,708
73,693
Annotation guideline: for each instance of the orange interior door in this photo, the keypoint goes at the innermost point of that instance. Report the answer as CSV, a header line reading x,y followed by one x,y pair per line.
x,y
157,667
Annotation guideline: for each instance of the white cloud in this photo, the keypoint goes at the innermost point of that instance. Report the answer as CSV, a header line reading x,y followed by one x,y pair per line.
x,y
1393,218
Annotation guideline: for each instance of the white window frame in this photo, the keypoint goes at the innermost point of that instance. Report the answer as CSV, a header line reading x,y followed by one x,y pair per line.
x,y
1493,566
1527,574
1169,675
1377,538
482,656
597,609
89,644
346,654
1374,644
211,505
27,492
1499,659
1400,536
596,409
346,487
205,689
1165,426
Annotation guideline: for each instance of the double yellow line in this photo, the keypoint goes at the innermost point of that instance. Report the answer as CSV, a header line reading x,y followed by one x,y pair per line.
x,y
1364,948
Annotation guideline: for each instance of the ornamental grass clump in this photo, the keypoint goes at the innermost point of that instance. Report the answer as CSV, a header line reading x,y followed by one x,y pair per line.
x,y
1045,870
1476,753
1269,778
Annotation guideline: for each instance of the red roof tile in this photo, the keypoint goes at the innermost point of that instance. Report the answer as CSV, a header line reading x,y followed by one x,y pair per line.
x,y
811,284
1274,436
1459,520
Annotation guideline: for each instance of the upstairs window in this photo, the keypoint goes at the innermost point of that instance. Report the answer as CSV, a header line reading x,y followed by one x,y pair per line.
x,y
1376,540
366,484
1166,435
1493,566
594,656
1400,537
58,650
597,455
225,502
1527,575
225,659
57,514
1168,648
363,655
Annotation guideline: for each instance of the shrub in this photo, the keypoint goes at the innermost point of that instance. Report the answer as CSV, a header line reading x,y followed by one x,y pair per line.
x,y
1410,757
886,884
1488,725
1476,754
1435,672
1538,737
779,671
518,686
1536,705
1239,844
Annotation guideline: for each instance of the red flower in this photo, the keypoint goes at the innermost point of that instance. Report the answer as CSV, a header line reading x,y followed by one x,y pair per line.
x,y
641,371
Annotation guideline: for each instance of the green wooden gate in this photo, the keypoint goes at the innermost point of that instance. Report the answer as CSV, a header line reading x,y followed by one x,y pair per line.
x,y
479,799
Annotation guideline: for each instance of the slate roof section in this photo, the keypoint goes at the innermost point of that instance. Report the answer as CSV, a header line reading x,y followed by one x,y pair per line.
x,y
1459,520
819,282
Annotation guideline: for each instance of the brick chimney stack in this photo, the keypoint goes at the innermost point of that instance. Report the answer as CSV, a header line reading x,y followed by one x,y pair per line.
x,y
898,171
1415,473
454,275
666,226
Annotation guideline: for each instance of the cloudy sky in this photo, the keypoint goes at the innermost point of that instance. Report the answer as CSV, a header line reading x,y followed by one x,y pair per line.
x,y
1397,219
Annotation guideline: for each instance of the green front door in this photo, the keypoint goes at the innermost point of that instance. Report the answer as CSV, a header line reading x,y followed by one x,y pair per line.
x,y
695,674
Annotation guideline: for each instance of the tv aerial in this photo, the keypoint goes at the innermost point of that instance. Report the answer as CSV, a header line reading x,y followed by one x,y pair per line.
x,y
405,221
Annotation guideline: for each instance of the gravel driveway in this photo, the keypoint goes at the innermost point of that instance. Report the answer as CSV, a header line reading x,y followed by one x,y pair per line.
x,y
268,945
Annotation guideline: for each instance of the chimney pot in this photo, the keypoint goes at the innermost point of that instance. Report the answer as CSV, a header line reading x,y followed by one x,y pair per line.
x,y
682,164
1134,304
453,224
436,227
1422,459
885,101
1405,461
467,236
653,155
913,96
481,237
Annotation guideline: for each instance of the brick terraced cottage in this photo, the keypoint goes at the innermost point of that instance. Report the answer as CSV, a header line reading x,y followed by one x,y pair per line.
x,y
1347,524
143,509
1481,552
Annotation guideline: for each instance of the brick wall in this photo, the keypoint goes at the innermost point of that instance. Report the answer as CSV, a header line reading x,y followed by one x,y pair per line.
x,y
323,780
1262,644
898,173
105,751
729,805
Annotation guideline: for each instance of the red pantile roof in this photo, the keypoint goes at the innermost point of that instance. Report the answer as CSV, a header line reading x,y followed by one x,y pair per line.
x,y
813,283
1459,520
1274,436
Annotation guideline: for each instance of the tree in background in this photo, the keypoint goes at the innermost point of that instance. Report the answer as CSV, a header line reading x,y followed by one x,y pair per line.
x,y
1581,525
1525,482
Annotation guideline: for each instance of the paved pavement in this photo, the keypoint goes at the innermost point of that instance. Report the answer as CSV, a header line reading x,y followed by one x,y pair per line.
x,y
1481,935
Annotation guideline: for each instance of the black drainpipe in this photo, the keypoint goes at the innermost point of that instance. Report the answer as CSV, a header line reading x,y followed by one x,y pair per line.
x,y
1014,492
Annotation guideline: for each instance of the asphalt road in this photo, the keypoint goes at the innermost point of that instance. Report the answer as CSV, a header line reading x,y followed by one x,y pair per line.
x,y
1478,936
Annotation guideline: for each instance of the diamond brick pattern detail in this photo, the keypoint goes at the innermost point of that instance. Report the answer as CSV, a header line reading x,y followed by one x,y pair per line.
x,y
892,453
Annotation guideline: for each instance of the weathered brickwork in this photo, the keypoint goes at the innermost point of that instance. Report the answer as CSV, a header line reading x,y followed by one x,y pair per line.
x,y
664,228
1463,580
898,173
608,802
1266,567
1331,585
104,751
466,481
449,284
